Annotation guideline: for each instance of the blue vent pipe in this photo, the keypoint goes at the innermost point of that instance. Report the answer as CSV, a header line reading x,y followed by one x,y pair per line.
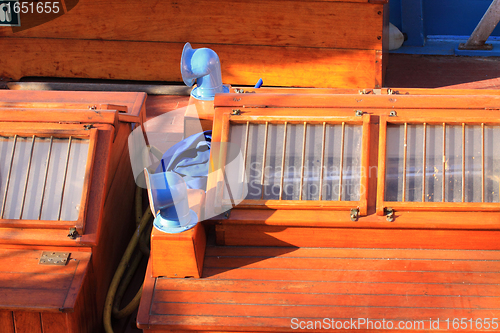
x,y
202,65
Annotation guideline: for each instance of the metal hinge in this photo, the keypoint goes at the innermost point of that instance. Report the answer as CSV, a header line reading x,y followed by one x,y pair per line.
x,y
54,258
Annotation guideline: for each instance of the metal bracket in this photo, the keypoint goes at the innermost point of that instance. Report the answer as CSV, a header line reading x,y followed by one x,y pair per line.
x,y
54,258
236,112
354,214
73,233
389,214
358,113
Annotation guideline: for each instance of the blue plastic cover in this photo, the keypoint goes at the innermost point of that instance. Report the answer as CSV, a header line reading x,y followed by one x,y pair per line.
x,y
189,158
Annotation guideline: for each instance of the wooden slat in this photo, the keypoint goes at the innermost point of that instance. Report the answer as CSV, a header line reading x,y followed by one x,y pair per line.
x,y
333,264
27,322
263,288
490,102
272,22
133,101
260,235
7,321
327,288
242,64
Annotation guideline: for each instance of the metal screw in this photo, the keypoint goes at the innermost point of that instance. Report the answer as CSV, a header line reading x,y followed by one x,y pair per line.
x,y
358,113
393,114
354,214
379,37
236,112
390,215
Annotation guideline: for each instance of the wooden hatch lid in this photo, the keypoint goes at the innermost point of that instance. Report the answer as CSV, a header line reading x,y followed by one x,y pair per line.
x,y
28,285
130,105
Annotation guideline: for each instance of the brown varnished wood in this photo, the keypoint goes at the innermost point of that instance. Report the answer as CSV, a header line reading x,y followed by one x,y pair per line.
x,y
143,312
133,101
273,23
242,64
7,321
359,101
182,254
27,322
70,298
28,286
116,216
59,115
264,287
263,235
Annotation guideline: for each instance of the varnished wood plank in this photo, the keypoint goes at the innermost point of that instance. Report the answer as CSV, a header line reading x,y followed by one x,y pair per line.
x,y
54,322
415,288
344,275
210,297
7,321
273,312
283,324
334,264
242,64
27,322
356,253
320,218
131,100
260,235
272,23
29,295
143,311
361,101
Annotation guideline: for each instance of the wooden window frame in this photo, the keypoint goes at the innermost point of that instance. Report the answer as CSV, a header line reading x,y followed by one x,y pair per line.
x,y
222,123
12,129
466,117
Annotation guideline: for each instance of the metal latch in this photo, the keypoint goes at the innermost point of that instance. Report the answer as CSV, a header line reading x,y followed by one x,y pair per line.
x,y
54,258
354,214
389,214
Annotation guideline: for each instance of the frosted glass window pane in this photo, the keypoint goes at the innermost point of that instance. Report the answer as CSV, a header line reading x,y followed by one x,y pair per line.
x,y
254,160
414,162
473,182
34,190
55,177
394,163
293,161
492,163
74,180
237,134
453,164
351,173
17,178
312,163
5,155
434,164
34,187
331,173
274,156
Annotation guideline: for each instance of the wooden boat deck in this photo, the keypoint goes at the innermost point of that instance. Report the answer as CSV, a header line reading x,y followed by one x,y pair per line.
x,y
265,288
